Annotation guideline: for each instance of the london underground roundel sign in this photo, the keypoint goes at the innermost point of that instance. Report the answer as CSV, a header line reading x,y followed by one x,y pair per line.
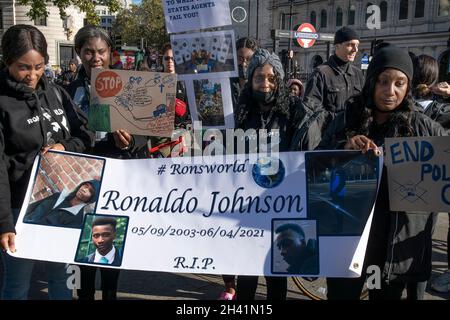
x,y
306,35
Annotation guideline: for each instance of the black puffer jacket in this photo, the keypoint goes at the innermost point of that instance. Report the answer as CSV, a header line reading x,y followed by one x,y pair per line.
x,y
399,242
29,120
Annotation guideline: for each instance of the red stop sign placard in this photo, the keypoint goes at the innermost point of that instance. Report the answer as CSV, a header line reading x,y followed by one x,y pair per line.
x,y
108,84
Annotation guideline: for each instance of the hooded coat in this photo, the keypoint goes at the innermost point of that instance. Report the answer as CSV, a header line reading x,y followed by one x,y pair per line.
x,y
29,120
57,211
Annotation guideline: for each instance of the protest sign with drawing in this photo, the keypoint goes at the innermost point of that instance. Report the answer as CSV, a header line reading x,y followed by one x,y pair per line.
x,y
207,53
141,103
419,173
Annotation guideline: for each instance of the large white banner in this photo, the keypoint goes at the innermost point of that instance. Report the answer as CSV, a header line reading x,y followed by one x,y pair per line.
x,y
419,174
187,15
299,214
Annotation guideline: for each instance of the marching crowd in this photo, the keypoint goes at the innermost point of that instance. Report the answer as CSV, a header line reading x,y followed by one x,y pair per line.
x,y
338,108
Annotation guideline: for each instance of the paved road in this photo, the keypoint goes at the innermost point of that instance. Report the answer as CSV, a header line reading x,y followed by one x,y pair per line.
x,y
171,286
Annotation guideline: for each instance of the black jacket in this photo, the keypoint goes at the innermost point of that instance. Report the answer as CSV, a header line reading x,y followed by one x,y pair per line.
x,y
399,243
437,111
43,212
283,116
29,120
331,84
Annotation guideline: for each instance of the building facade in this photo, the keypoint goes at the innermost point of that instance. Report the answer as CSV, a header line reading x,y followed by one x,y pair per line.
x,y
419,26
59,32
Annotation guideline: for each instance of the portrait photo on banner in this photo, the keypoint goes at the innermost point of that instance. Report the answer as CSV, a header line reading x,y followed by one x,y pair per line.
x,y
341,190
295,247
211,53
66,188
102,240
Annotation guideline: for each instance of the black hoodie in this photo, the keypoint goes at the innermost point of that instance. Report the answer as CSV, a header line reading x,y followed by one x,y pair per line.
x,y
29,120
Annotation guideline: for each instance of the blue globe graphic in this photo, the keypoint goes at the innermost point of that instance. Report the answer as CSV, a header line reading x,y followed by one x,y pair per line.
x,y
267,174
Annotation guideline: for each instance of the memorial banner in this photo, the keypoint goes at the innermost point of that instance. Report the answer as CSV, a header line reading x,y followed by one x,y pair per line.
x,y
419,173
287,214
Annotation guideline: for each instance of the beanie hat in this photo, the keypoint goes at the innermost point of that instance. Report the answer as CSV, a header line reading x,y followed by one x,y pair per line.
x,y
390,57
262,57
294,81
345,34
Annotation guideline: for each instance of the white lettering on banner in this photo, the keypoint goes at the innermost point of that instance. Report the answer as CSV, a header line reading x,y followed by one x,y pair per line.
x,y
190,218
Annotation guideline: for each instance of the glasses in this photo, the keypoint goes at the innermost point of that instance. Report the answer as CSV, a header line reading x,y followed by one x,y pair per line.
x,y
242,59
167,58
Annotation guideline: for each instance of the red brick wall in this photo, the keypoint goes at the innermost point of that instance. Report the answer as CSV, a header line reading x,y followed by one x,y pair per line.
x,y
64,171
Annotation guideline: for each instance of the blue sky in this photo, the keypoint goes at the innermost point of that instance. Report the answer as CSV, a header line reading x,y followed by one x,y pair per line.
x,y
136,1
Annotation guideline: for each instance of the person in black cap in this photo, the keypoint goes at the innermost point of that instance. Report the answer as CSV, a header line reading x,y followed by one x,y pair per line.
x,y
399,243
69,75
333,82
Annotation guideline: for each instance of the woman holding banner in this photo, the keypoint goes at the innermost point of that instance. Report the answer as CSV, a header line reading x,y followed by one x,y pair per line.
x,y
265,104
399,243
35,116
93,46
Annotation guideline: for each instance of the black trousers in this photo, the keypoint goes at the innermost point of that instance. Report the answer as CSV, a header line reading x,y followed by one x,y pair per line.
x,y
109,281
276,287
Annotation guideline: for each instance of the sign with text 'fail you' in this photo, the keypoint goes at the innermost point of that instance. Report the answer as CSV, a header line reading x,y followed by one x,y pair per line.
x,y
419,173
187,15
296,214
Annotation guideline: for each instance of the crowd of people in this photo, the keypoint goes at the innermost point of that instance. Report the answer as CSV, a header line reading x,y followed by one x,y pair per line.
x,y
338,108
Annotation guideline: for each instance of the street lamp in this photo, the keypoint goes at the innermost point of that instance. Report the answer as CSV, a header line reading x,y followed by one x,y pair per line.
x,y
289,58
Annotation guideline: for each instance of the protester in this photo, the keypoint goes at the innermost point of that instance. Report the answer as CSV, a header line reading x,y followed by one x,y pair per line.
x,y
426,75
333,82
245,47
182,115
442,89
69,75
399,242
25,93
265,104
296,88
93,46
